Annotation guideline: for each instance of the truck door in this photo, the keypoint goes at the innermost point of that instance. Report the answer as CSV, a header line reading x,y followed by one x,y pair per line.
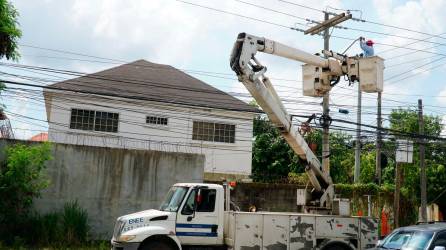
x,y
197,222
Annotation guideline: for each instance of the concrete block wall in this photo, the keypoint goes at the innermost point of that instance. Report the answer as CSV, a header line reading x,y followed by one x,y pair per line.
x,y
110,182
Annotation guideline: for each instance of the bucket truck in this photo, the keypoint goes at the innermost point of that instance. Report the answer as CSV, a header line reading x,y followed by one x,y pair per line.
x,y
200,215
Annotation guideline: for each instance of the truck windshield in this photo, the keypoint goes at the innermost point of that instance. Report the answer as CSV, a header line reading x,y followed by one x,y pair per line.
x,y
416,240
173,199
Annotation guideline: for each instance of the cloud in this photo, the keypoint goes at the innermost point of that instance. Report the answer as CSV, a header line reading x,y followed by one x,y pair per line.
x,y
441,98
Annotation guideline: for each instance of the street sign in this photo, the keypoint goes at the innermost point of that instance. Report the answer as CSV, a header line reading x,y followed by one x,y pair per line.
x,y
404,151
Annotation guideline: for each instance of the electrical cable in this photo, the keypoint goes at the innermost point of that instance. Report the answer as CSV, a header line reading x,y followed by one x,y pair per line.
x,y
363,20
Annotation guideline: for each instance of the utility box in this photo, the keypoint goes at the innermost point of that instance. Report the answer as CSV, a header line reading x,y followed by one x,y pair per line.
x,y
316,81
341,207
404,151
303,196
371,74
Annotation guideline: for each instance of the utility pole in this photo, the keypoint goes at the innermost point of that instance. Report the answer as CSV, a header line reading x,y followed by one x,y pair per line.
x,y
378,143
326,109
422,165
317,29
358,139
396,198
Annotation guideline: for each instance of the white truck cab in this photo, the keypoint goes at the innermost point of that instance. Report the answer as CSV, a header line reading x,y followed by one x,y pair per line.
x,y
194,216
191,214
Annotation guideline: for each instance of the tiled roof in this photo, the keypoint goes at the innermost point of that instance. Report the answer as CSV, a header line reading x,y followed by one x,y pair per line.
x,y
144,80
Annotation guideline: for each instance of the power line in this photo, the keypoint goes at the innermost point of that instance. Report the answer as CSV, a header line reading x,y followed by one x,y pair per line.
x,y
412,69
144,83
388,130
236,14
244,95
409,53
410,61
99,134
125,80
282,85
416,74
208,73
363,20
291,101
342,27
402,133
241,126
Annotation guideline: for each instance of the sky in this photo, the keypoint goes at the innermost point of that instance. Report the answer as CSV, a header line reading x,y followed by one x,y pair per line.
x,y
194,38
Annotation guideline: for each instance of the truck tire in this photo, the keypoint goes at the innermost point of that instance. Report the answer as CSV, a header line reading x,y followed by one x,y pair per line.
x,y
156,245
335,247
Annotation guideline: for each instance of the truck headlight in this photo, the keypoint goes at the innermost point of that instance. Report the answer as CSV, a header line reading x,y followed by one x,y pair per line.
x,y
124,238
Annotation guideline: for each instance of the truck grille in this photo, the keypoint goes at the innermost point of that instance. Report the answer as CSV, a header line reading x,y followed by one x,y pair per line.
x,y
118,229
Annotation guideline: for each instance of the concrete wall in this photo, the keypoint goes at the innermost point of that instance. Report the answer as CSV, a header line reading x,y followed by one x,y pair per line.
x,y
134,133
109,183
266,196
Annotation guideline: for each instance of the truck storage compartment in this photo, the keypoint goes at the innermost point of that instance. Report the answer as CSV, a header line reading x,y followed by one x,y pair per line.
x,y
290,231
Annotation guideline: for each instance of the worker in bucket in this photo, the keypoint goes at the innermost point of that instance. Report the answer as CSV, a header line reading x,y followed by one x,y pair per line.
x,y
366,46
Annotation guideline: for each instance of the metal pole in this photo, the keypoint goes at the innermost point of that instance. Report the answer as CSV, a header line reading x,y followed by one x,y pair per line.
x,y
326,111
422,165
358,139
369,205
396,198
378,143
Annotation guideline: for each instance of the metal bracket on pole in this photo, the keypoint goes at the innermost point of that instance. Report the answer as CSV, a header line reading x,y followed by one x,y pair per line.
x,y
328,23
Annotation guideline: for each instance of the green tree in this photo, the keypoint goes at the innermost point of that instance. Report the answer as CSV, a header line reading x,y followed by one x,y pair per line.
x,y
342,157
272,157
21,180
368,163
9,31
435,156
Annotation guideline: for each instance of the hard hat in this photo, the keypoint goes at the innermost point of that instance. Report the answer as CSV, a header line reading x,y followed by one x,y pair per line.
x,y
369,42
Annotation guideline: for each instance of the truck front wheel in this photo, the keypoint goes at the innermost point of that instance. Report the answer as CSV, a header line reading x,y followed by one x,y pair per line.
x,y
156,245
335,247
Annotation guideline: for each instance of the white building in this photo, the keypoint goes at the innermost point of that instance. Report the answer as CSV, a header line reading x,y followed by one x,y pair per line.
x,y
142,105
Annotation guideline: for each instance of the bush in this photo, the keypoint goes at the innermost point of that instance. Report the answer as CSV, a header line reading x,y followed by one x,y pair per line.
x,y
59,229
298,178
75,226
21,181
43,229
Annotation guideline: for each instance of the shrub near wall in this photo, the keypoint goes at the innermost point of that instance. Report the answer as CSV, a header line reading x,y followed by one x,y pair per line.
x,y
59,229
21,180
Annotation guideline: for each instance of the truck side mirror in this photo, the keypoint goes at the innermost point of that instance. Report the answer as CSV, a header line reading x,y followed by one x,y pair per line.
x,y
197,201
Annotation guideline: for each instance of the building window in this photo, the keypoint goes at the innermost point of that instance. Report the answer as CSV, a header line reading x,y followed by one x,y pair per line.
x,y
156,120
215,132
94,120
106,121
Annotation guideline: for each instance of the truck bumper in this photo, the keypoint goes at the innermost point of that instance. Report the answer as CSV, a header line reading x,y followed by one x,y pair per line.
x,y
125,246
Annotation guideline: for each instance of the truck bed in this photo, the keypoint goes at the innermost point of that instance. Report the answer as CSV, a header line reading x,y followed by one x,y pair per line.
x,y
283,231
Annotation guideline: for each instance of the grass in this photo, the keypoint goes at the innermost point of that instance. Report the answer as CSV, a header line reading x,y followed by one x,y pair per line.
x,y
67,228
96,245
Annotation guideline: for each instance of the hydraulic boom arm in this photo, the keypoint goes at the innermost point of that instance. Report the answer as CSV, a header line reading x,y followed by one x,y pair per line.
x,y
251,73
